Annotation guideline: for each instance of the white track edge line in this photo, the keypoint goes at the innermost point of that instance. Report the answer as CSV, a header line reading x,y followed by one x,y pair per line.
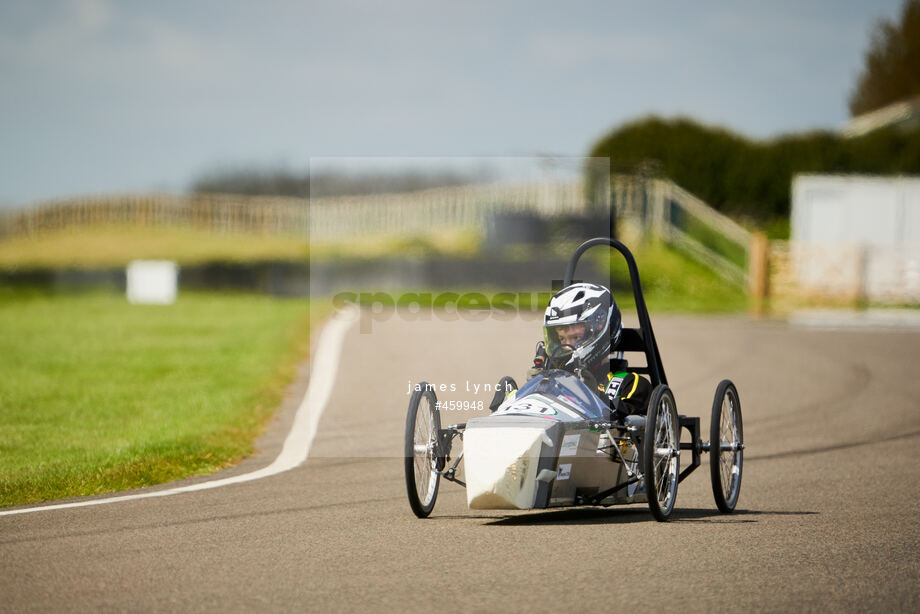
x,y
296,445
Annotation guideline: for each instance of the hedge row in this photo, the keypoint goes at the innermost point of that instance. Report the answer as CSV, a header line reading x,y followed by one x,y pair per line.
x,y
752,178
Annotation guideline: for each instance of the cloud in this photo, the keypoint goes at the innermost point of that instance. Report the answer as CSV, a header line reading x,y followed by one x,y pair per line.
x,y
180,52
101,42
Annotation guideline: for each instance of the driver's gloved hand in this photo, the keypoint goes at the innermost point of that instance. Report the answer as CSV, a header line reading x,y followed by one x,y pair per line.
x,y
539,359
617,411
539,362
590,381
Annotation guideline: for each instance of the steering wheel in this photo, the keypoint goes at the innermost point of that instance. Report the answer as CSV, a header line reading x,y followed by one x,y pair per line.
x,y
560,357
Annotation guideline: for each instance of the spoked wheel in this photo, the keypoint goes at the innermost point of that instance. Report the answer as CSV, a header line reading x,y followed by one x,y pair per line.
x,y
660,453
726,446
423,424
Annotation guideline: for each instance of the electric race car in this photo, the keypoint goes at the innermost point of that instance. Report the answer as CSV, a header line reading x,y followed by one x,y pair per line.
x,y
554,442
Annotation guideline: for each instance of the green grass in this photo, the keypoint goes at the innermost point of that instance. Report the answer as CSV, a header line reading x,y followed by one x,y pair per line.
x,y
459,243
116,246
99,395
673,282
717,242
777,228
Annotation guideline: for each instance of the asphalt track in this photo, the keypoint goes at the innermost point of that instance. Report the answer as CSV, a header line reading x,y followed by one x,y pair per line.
x,y
827,518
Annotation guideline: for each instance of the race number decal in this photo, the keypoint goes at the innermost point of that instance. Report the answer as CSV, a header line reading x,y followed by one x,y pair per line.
x,y
531,406
537,405
614,386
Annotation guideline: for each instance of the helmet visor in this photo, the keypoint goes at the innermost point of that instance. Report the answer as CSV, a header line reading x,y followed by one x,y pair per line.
x,y
574,335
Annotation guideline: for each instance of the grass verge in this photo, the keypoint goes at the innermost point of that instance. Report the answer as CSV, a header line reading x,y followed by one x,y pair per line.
x,y
673,282
99,395
116,246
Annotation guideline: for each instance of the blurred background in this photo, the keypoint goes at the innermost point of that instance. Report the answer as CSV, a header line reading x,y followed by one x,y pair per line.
x,y
187,133
759,158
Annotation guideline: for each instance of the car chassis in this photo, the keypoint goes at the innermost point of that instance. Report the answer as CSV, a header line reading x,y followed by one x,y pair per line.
x,y
647,467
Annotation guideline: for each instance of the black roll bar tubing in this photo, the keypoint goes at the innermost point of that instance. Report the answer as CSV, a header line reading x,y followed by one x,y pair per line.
x,y
652,355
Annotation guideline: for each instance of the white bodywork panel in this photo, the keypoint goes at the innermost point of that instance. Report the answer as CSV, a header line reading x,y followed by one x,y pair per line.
x,y
501,467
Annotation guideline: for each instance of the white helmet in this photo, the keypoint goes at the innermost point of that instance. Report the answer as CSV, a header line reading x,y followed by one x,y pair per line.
x,y
586,317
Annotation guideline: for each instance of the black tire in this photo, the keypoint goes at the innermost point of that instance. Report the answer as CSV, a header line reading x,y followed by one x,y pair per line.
x,y
725,429
422,450
660,471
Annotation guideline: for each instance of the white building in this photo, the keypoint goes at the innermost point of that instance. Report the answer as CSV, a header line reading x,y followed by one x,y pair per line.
x,y
857,235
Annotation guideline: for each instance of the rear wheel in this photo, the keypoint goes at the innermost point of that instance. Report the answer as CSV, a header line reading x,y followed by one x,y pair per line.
x,y
422,451
660,453
726,446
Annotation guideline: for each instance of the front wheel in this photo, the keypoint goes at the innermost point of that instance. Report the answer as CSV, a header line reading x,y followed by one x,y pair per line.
x,y
726,446
660,453
422,451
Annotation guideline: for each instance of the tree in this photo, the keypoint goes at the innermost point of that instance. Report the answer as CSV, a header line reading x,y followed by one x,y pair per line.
x,y
892,64
253,182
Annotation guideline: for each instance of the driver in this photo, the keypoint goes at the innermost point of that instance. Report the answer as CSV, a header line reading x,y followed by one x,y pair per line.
x,y
586,318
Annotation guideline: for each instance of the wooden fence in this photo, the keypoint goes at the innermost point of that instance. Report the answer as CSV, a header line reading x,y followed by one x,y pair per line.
x,y
655,206
431,210
329,218
214,212
662,208
844,272
650,206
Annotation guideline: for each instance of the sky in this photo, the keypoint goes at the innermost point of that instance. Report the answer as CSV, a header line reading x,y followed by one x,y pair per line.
x,y
99,96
